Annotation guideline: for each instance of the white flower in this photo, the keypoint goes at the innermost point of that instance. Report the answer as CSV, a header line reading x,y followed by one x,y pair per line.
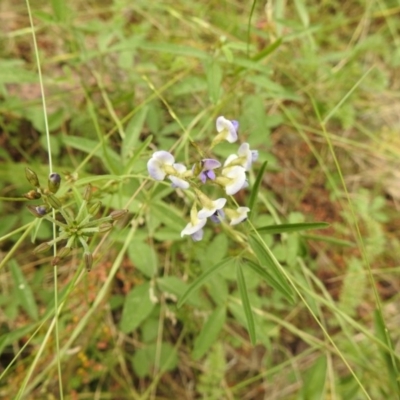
x,y
233,179
195,225
211,207
177,181
245,157
227,130
160,164
238,215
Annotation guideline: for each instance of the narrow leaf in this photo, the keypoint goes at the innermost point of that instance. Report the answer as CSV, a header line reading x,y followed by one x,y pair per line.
x,y
389,358
23,291
267,259
209,333
246,303
202,279
256,187
264,274
285,228
132,132
314,380
137,153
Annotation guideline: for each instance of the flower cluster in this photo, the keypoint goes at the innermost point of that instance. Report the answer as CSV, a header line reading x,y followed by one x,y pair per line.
x,y
75,229
230,176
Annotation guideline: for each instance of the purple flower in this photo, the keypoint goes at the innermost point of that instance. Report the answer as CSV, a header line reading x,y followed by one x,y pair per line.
x,y
208,164
218,216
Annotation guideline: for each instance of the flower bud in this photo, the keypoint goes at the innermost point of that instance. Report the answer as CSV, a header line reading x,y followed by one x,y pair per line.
x,y
32,195
37,211
53,183
53,201
87,194
42,248
118,214
105,227
94,208
55,261
32,177
64,252
88,259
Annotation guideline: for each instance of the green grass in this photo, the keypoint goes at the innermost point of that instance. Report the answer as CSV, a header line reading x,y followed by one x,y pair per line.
x,y
297,302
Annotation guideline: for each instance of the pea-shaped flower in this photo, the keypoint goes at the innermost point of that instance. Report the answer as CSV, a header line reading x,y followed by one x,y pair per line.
x,y
160,164
195,227
245,157
238,215
232,179
227,130
207,166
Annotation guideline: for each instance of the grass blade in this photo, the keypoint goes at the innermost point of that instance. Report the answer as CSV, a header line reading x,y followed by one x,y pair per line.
x,y
246,303
286,228
264,274
268,260
203,278
256,187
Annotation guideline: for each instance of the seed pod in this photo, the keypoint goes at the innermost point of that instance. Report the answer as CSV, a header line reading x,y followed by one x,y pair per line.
x,y
88,258
32,177
53,183
42,248
53,201
118,214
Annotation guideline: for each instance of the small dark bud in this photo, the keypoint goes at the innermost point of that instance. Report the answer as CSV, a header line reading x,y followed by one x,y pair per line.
x,y
32,177
42,248
87,194
118,214
94,208
32,195
88,258
53,183
37,211
53,201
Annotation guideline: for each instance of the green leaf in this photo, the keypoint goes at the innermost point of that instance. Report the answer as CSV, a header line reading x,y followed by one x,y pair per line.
x,y
314,380
137,153
389,358
168,215
267,259
264,274
143,257
214,79
132,132
209,333
144,358
175,286
256,187
59,9
246,303
285,228
204,277
137,308
106,154
268,50
23,291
